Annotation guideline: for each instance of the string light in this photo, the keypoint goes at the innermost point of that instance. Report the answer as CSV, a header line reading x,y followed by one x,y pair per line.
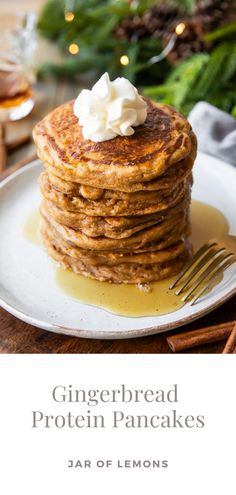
x,y
170,45
124,60
69,16
180,28
73,49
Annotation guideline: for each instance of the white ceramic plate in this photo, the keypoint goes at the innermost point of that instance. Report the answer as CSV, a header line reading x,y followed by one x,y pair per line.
x,y
27,275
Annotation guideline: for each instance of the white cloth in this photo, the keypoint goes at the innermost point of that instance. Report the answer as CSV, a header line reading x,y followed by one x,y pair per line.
x,y
215,131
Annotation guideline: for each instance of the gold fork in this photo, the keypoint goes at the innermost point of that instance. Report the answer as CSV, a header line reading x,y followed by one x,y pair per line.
x,y
211,260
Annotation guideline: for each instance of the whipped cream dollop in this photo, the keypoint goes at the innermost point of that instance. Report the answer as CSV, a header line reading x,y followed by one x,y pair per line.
x,y
110,109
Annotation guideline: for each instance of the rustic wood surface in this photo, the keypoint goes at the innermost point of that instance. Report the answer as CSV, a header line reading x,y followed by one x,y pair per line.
x,y
19,337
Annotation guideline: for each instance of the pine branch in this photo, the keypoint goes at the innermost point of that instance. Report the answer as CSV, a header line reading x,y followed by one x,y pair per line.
x,y
179,85
224,32
130,70
209,77
230,66
189,78
233,112
212,74
186,4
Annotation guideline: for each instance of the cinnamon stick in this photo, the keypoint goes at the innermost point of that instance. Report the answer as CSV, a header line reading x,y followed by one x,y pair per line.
x,y
206,335
9,170
3,149
19,141
230,347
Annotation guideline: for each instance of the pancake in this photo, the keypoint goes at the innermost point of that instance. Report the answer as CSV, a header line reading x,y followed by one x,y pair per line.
x,y
113,257
150,247
139,203
164,139
113,227
173,175
95,194
165,233
124,272
117,210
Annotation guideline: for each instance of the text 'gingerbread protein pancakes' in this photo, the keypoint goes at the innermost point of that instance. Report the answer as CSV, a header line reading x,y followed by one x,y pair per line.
x,y
117,185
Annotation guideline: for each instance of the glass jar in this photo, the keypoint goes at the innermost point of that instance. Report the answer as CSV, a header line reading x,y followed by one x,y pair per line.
x,y
17,75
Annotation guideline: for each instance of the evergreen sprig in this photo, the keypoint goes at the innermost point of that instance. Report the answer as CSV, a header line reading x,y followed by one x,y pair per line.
x,y
92,29
227,31
204,76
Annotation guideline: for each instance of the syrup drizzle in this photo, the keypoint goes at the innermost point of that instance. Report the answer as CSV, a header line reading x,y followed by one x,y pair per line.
x,y
129,300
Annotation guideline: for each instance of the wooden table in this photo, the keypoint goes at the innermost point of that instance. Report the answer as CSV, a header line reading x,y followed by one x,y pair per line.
x,y
18,337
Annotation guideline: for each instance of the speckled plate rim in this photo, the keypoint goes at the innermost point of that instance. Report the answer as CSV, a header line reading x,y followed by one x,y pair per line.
x,y
119,335
99,334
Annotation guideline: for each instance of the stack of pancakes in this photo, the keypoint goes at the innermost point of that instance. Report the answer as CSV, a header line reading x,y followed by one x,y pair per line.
x,y
117,210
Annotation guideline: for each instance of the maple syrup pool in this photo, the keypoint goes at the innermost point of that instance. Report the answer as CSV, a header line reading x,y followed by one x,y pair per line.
x,y
129,300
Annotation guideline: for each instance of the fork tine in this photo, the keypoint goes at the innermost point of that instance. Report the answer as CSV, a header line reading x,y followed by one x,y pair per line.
x,y
195,258
227,263
209,271
196,268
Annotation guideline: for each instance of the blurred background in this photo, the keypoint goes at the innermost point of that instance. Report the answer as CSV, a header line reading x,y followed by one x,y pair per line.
x,y
178,52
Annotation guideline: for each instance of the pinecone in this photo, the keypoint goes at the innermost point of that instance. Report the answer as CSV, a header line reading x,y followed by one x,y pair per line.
x,y
207,16
160,22
158,19
132,27
154,22
214,13
189,42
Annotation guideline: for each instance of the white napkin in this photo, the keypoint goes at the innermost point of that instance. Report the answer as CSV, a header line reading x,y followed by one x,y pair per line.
x,y
215,130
